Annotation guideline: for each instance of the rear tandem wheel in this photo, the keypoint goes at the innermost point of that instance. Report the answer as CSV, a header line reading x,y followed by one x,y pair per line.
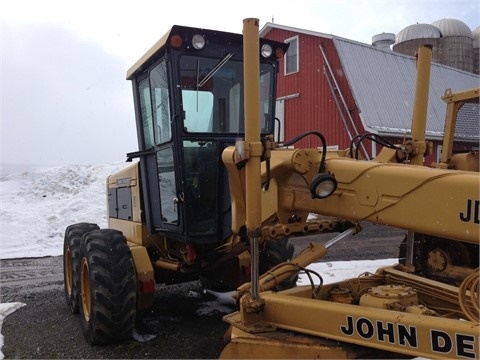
x,y
71,262
107,287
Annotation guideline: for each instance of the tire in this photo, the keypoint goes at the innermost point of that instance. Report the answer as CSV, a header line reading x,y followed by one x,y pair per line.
x,y
107,287
276,252
71,262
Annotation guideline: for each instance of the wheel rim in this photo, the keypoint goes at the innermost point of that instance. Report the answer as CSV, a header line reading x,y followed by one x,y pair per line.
x,y
68,271
85,289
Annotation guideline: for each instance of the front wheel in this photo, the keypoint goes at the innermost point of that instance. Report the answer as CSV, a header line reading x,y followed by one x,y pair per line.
x,y
71,249
276,252
107,287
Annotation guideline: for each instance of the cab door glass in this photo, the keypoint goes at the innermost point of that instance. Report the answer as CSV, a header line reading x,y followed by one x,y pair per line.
x,y
166,181
147,115
160,103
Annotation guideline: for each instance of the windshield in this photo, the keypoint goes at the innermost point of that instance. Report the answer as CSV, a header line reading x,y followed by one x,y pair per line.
x,y
212,95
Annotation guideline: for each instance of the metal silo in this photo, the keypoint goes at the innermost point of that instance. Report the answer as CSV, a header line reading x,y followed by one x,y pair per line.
x,y
452,42
409,39
476,52
456,44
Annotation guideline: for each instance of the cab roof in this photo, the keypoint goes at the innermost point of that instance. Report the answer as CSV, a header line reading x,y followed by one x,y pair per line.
x,y
176,29
149,54
219,36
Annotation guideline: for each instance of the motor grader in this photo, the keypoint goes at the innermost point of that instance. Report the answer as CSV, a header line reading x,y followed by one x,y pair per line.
x,y
212,196
169,212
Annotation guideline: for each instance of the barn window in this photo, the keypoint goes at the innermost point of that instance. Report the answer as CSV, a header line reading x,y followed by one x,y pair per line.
x,y
291,58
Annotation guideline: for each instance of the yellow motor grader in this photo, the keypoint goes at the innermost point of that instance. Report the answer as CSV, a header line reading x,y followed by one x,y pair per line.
x,y
211,196
170,212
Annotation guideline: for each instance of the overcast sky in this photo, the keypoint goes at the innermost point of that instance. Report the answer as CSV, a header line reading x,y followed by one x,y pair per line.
x,y
64,97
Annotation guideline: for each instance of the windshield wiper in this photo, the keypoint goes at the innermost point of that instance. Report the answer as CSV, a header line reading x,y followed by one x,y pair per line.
x,y
214,70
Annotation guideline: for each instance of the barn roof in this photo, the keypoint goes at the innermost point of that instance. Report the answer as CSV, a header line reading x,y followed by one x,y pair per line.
x,y
383,85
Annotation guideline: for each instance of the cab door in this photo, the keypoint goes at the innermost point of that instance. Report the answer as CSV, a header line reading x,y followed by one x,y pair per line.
x,y
158,157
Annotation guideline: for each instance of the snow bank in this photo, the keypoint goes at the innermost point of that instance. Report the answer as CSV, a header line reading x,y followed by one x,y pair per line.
x,y
37,206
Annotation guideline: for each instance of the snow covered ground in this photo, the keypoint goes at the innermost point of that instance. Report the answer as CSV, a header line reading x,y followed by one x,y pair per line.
x,y
37,205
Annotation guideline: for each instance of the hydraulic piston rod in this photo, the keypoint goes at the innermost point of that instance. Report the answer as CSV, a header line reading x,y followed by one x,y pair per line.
x,y
285,270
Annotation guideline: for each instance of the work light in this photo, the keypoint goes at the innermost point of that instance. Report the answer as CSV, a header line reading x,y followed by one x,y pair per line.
x,y
323,185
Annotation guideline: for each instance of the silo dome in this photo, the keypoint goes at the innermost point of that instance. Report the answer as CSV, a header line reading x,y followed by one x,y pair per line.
x,y
452,27
476,37
383,40
418,31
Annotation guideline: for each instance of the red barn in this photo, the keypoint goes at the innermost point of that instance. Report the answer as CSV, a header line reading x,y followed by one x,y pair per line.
x,y
343,88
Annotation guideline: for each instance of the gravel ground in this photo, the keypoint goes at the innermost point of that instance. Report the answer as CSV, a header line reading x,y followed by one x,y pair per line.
x,y
175,327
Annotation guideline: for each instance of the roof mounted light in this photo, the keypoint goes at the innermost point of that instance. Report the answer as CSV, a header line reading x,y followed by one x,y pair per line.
x,y
323,185
279,53
198,42
266,50
176,41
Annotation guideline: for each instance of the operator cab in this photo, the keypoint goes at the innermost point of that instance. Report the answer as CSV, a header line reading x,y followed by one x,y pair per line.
x,y
188,94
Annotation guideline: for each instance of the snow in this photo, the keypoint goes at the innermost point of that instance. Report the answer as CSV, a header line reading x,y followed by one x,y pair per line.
x,y
5,310
37,205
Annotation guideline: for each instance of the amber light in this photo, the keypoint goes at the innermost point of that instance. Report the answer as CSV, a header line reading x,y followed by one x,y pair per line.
x,y
279,53
176,41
